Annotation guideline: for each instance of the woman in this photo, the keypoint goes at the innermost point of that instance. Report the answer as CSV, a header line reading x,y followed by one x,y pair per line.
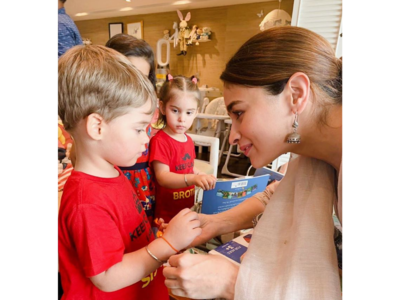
x,y
283,91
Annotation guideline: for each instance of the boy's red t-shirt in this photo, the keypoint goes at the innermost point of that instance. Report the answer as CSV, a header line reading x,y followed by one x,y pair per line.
x,y
179,156
101,219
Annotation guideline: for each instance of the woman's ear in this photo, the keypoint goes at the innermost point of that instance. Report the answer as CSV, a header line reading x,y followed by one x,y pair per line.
x,y
94,126
299,88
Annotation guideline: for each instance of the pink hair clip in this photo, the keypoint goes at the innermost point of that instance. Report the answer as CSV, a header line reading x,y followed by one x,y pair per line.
x,y
194,79
169,76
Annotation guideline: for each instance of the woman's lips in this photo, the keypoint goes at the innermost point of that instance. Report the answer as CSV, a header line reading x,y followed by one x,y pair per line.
x,y
246,148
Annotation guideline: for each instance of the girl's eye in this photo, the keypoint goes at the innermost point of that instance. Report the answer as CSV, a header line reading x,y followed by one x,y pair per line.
x,y
175,110
140,130
190,113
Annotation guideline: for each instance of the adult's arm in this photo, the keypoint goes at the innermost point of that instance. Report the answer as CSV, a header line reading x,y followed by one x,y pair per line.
x,y
236,218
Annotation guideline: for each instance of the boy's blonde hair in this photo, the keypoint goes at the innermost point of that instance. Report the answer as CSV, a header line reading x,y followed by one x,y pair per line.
x,y
97,79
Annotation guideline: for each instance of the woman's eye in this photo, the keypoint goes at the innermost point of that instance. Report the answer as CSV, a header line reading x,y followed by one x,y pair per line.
x,y
140,130
237,113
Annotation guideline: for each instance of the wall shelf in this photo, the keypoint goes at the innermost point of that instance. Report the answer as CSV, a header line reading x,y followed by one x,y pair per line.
x,y
200,41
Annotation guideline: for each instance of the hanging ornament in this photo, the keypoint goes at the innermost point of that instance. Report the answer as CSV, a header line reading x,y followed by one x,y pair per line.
x,y
277,17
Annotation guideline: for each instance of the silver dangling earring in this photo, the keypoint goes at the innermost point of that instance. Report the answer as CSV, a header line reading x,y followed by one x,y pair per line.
x,y
294,138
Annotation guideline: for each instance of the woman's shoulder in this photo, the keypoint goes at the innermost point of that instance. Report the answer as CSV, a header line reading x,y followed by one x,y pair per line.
x,y
303,170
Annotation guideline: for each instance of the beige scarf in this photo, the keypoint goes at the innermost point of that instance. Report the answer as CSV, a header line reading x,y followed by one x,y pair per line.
x,y
292,254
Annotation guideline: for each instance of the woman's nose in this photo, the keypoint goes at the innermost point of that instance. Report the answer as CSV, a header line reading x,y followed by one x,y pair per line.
x,y
233,136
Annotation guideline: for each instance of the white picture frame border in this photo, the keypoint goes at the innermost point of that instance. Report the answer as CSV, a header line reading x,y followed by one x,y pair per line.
x,y
115,28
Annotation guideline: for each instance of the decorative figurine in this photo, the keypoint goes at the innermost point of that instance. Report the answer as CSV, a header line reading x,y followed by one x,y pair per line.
x,y
183,27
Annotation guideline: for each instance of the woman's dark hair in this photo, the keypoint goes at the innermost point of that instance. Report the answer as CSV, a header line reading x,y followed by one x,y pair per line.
x,y
271,57
130,46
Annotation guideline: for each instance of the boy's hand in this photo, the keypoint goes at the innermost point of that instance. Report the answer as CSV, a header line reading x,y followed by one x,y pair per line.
x,y
205,181
183,229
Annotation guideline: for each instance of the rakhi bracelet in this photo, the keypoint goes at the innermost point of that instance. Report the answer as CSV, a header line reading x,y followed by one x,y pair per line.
x,y
262,201
155,257
268,193
169,244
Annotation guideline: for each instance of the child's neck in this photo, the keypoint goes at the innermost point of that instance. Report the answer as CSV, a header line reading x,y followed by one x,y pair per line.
x,y
89,163
104,170
180,137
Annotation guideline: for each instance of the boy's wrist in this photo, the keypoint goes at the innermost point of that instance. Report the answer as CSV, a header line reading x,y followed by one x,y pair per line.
x,y
161,249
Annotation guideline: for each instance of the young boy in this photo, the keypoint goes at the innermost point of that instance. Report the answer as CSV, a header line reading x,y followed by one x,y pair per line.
x,y
107,249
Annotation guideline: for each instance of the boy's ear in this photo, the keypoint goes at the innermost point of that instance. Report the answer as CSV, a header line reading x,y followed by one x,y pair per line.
x,y
298,88
94,126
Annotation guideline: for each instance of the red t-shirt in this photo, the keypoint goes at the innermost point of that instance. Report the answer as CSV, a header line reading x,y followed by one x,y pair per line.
x,y
101,219
179,156
141,178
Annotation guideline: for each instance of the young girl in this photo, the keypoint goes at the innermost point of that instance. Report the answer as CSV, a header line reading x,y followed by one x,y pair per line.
x,y
172,151
140,175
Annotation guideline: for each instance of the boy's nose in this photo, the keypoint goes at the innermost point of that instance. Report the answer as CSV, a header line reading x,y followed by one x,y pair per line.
x,y
145,139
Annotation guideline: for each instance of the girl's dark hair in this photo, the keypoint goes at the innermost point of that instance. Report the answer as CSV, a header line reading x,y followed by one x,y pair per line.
x,y
271,57
170,88
130,46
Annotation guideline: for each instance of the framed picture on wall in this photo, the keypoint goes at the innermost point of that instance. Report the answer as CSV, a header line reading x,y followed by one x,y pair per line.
x,y
115,28
136,29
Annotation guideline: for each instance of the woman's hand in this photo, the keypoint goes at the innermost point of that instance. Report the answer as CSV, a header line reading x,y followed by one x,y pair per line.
x,y
272,186
209,229
199,276
183,229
